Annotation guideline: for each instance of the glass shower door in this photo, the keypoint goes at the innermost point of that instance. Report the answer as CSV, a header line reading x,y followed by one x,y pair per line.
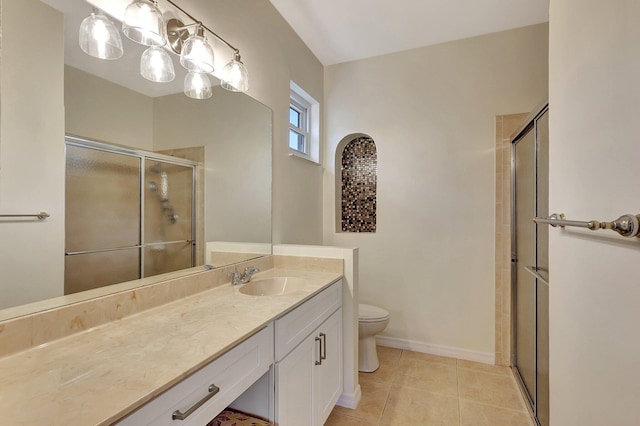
x,y
102,211
525,244
129,214
168,212
530,263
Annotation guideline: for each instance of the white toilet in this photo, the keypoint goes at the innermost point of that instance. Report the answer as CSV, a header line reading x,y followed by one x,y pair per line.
x,y
371,321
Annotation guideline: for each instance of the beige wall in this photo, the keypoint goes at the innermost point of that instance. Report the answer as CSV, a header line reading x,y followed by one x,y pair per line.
x,y
236,133
93,106
274,55
32,153
431,112
594,95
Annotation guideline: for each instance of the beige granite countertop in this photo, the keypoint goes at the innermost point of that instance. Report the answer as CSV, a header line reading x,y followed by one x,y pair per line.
x,y
98,376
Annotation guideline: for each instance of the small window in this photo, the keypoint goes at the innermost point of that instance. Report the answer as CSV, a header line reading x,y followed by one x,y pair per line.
x,y
299,126
304,125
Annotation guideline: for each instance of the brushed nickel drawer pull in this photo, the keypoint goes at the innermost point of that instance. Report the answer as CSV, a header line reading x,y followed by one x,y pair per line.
x,y
323,346
319,351
179,415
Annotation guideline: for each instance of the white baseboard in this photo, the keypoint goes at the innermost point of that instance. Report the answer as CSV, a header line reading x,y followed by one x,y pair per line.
x,y
350,400
428,348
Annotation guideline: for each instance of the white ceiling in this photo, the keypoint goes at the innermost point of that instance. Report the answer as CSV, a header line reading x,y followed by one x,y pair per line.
x,y
345,30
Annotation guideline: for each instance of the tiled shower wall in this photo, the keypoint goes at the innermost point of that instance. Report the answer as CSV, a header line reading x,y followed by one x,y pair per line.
x,y
359,181
505,126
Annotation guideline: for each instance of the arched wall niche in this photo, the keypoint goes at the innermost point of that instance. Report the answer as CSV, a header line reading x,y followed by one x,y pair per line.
x,y
356,184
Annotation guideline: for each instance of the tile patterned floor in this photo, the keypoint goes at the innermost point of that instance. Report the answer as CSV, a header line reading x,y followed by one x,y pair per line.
x,y
412,388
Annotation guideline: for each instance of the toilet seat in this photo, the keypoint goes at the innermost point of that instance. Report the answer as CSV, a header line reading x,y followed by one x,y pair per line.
x,y
369,313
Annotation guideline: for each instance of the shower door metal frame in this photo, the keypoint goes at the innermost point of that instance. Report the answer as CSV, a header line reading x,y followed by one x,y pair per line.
x,y
144,156
529,124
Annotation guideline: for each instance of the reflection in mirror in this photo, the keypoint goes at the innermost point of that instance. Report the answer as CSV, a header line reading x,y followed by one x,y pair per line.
x,y
226,137
118,229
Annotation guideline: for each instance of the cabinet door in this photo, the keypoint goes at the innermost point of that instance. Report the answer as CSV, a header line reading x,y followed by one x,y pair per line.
x,y
294,382
328,375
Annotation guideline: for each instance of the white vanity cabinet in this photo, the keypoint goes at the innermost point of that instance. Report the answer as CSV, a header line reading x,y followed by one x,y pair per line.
x,y
196,400
309,360
306,346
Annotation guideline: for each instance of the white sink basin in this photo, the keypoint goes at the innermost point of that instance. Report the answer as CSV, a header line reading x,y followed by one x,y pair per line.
x,y
276,286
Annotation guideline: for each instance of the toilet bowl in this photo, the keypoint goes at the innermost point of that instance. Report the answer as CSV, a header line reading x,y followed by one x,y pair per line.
x,y
371,321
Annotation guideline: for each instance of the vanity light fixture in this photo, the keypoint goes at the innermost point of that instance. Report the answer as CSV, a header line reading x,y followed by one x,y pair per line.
x,y
197,85
156,65
196,54
144,23
99,37
235,76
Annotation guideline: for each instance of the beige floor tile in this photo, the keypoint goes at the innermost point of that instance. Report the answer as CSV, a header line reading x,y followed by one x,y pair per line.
x,y
475,414
415,407
374,398
485,368
389,353
389,361
427,376
428,357
384,374
412,388
491,389
338,419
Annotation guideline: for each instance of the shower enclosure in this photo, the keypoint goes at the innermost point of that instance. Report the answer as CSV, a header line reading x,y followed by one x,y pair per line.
x,y
129,214
529,262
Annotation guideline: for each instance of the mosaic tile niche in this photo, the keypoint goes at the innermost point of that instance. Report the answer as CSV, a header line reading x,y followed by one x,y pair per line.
x,y
359,182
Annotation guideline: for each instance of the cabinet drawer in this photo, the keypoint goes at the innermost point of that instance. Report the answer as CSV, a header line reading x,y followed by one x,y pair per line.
x,y
294,327
233,373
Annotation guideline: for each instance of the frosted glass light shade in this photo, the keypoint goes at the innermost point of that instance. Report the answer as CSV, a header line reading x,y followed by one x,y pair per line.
x,y
197,85
143,23
99,37
197,54
235,76
156,65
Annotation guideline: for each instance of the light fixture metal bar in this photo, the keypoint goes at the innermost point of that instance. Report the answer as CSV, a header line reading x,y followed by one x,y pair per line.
x,y
204,26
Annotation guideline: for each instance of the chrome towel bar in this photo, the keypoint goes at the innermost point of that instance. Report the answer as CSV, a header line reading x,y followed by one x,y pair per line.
x,y
627,225
40,216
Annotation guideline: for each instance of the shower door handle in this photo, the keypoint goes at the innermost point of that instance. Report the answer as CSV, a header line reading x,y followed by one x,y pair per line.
x,y
534,271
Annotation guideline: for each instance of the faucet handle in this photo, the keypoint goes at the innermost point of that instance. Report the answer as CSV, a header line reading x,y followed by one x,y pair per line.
x,y
251,270
235,277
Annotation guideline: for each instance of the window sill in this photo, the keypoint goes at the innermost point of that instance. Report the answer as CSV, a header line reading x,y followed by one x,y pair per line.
x,y
300,157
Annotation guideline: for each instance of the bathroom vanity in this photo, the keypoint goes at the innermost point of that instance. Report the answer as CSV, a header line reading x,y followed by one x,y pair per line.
x,y
308,371
308,357
277,356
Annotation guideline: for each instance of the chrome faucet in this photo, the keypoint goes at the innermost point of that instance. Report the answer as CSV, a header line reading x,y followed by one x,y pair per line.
x,y
242,278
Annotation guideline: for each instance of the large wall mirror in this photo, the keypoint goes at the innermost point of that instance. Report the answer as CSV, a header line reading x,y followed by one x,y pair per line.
x,y
108,103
